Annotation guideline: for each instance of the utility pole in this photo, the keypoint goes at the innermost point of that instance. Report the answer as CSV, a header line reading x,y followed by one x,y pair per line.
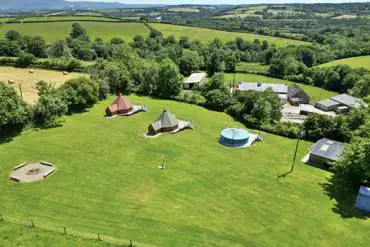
x,y
300,135
20,90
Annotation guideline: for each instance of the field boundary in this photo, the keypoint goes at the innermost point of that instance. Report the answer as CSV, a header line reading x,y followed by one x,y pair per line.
x,y
69,231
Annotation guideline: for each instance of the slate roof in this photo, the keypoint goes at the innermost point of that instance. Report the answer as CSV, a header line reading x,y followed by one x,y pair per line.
x,y
346,99
165,120
294,90
196,78
121,103
260,87
328,149
328,102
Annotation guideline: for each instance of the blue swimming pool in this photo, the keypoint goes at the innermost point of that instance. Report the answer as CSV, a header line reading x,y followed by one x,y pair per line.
x,y
234,137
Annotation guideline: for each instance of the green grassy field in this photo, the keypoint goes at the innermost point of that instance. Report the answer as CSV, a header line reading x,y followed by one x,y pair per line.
x,y
354,62
59,30
185,10
315,93
255,67
24,235
66,18
108,182
209,34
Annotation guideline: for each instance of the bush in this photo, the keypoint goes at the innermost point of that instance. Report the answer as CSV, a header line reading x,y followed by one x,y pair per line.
x,y
80,93
193,97
14,113
25,60
48,109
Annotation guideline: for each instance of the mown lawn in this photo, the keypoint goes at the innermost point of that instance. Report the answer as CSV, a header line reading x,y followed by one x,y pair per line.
x,y
53,31
108,182
315,93
204,34
354,62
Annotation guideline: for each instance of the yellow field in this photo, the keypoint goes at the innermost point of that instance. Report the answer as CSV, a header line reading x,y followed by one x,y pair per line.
x,y
28,80
188,10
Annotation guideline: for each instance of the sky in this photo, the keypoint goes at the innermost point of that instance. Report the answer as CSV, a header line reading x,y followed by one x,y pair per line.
x,y
219,1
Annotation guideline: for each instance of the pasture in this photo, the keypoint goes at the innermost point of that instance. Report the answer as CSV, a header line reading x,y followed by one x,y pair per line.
x,y
354,62
315,93
184,10
53,31
244,67
108,182
28,80
205,35
67,18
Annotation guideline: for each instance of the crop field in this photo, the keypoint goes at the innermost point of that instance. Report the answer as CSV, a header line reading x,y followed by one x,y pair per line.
x,y
204,34
315,93
28,80
354,62
59,30
67,18
107,181
186,10
343,17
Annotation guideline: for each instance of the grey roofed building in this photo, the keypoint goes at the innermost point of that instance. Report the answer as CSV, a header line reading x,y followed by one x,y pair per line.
x,y
327,105
260,87
297,96
347,100
165,121
325,151
195,79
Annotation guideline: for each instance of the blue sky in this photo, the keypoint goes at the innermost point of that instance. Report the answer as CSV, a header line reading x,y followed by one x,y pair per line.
x,y
219,1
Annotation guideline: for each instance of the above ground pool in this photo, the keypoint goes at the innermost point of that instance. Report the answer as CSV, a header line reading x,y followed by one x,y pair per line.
x,y
234,137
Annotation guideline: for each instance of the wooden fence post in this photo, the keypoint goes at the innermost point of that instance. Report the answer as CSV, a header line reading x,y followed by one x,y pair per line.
x,y
65,230
32,224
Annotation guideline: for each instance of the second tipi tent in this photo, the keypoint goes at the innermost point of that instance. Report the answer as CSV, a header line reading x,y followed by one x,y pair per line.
x,y
120,106
166,122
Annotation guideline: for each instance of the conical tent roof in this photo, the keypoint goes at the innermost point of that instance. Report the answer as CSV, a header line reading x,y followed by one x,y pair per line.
x,y
165,120
120,104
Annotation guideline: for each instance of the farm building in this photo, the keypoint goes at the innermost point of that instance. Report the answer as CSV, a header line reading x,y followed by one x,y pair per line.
x,y
297,96
363,199
325,151
339,103
194,80
280,89
120,106
166,122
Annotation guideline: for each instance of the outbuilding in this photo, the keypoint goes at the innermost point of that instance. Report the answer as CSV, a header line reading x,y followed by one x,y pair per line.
x,y
120,106
363,199
297,96
324,152
340,103
195,80
280,89
166,122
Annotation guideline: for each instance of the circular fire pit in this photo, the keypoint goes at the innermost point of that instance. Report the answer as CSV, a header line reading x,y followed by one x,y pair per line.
x,y
32,172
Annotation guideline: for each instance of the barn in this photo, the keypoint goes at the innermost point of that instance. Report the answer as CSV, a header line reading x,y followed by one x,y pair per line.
x,y
166,122
324,152
120,106
297,96
363,199
194,80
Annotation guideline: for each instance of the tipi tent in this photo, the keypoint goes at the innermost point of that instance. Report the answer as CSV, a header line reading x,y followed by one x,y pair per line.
x,y
166,122
120,106
363,199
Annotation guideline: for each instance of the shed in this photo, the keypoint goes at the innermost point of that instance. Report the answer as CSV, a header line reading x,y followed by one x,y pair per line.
x,y
325,151
195,79
363,199
327,105
166,122
120,106
280,89
297,96
346,100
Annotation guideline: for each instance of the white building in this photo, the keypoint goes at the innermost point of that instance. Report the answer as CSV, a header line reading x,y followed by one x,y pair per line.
x,y
195,80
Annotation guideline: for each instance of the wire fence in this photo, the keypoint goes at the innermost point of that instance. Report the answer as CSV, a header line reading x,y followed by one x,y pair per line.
x,y
70,231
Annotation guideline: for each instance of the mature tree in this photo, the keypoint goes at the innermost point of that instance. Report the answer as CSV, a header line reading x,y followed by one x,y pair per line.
x,y
9,48
230,62
13,35
214,60
59,49
184,42
25,60
170,79
262,111
13,112
77,31
354,167
100,48
50,106
117,41
147,77
190,61
37,47
361,88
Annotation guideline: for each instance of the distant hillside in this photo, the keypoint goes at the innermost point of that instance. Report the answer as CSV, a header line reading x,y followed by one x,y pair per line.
x,y
54,4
